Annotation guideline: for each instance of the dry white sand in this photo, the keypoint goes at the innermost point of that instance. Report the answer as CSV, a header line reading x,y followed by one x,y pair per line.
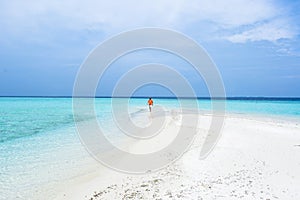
x,y
255,158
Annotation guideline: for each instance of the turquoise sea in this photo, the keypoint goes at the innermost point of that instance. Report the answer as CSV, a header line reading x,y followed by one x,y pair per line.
x,y
40,150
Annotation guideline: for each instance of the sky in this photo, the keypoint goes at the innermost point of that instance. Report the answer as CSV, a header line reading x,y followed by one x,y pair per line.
x,y
255,44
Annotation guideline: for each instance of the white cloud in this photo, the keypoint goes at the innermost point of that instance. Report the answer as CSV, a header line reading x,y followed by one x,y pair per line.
x,y
230,13
111,16
270,31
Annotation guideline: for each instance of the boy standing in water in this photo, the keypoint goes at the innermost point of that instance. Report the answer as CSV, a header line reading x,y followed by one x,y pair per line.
x,y
150,104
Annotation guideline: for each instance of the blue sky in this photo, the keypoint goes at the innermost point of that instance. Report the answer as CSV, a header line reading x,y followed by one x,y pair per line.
x,y
255,44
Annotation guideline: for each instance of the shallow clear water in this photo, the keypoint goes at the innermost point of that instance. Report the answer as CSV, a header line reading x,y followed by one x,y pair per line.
x,y
40,149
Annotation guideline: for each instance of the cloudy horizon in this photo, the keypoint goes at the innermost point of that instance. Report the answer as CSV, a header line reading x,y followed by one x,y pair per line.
x,y
255,44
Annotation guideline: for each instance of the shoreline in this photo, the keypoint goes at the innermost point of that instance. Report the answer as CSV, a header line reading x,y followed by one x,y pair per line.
x,y
249,154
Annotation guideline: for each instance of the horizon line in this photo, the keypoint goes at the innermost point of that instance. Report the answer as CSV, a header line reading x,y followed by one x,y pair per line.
x,y
163,97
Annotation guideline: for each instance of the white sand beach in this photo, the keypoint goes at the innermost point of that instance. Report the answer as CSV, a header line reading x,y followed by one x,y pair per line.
x,y
255,158
153,100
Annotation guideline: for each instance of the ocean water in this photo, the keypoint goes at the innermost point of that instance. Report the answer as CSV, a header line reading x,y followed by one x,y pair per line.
x,y
40,150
